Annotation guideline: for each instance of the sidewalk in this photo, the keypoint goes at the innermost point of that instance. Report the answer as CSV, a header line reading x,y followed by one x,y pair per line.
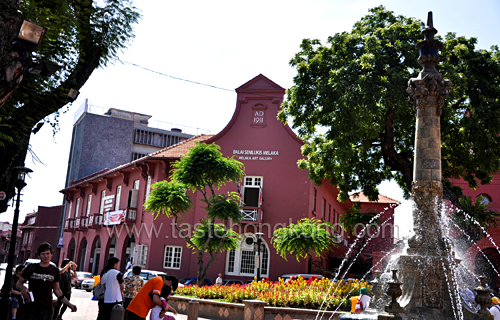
x,y
87,310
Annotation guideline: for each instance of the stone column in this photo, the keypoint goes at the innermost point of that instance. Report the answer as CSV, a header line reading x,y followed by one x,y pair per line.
x,y
427,93
254,309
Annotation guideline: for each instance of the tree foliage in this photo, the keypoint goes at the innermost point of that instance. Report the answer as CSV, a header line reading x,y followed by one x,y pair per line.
x,y
82,35
349,104
204,169
308,238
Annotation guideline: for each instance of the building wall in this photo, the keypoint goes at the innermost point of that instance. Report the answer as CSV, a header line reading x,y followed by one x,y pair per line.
x,y
99,142
266,147
45,229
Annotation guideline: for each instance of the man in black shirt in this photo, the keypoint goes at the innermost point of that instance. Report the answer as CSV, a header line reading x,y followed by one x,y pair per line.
x,y
43,278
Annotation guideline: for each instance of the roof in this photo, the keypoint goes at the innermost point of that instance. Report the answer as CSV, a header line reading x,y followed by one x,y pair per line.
x,y
360,197
173,152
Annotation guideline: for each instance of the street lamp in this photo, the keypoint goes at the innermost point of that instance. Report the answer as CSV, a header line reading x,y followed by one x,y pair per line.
x,y
258,246
19,184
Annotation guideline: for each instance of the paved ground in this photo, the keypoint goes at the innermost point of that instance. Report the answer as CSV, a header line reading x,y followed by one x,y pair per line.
x,y
87,308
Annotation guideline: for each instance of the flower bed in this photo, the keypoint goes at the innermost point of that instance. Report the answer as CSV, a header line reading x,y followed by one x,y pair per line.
x,y
296,293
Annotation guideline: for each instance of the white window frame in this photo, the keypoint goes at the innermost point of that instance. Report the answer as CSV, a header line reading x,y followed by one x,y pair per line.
x,y
103,195
77,207
252,182
238,255
175,257
89,202
137,184
70,208
148,188
118,197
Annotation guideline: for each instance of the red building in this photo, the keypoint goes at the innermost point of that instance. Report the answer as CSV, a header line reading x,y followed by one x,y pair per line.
x,y
5,233
275,192
484,256
39,227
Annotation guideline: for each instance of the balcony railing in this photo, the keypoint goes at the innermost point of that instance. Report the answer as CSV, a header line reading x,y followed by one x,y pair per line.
x,y
130,215
69,225
81,223
251,215
95,221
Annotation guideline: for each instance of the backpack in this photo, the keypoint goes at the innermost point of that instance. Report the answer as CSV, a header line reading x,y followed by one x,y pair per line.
x,y
99,291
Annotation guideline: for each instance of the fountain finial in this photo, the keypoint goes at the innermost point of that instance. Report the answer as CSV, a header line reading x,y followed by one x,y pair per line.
x,y
430,24
429,30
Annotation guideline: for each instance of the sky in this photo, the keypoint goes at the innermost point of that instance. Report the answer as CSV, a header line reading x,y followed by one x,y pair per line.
x,y
223,44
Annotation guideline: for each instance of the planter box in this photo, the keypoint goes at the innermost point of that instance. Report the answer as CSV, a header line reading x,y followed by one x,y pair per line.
x,y
217,310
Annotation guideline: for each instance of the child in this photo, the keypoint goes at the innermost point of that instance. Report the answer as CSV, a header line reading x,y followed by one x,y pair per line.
x,y
155,312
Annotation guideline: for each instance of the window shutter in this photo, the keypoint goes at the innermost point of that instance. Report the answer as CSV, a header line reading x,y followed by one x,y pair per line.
x,y
132,198
140,255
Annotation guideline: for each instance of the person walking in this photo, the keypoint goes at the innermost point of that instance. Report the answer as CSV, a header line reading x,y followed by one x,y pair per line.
x,y
113,281
133,284
43,279
67,270
17,300
149,296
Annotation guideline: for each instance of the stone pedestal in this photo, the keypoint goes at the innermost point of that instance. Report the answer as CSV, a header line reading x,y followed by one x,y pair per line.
x,y
193,308
254,309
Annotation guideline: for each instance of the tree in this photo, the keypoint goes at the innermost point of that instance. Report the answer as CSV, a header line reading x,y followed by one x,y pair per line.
x,y
353,90
203,170
309,238
82,35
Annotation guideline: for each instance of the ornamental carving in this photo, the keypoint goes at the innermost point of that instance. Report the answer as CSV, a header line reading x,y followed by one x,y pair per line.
x,y
428,91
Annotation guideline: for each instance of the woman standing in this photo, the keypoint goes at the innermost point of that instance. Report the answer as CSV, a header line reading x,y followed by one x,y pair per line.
x,y
113,281
67,270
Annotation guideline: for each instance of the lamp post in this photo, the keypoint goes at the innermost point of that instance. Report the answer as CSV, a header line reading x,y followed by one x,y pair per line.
x,y
19,184
258,247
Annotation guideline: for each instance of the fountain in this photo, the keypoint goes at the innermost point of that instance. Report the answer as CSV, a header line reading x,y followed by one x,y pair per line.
x,y
427,270
427,286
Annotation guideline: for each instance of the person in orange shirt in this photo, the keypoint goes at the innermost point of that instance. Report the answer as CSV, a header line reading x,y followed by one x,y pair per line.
x,y
149,296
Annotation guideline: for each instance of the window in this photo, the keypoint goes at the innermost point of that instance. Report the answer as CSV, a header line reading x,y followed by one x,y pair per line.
x,y
32,220
69,209
330,218
118,197
485,199
89,202
148,188
241,262
172,257
252,192
136,184
103,196
137,155
323,209
30,239
315,193
77,207
25,238
140,254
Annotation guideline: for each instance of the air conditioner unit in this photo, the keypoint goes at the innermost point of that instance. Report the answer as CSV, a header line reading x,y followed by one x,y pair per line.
x,y
133,195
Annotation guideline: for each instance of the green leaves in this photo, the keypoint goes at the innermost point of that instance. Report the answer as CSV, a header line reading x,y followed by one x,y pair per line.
x,y
353,88
307,235
205,166
168,198
214,234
